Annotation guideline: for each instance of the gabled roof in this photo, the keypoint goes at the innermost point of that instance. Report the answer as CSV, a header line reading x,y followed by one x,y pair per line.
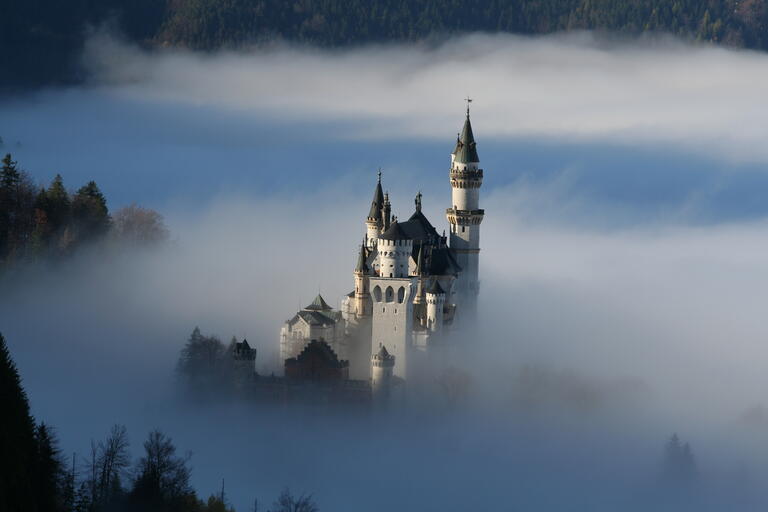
x,y
466,148
318,304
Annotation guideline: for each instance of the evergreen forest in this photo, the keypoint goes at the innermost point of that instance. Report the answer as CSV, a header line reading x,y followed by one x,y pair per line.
x,y
41,40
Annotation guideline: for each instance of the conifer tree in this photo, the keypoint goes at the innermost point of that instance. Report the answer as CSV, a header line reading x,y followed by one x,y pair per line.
x,y
48,470
90,213
17,439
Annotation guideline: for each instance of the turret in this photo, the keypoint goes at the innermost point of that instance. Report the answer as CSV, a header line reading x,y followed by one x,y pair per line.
x,y
420,273
435,296
374,224
386,212
363,303
382,368
465,217
394,249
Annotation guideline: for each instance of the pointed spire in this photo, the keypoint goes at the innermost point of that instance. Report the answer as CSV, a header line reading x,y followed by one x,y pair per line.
x,y
466,147
420,261
378,201
361,267
318,304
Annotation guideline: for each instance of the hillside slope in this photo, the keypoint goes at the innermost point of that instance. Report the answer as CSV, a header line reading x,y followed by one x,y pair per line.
x,y
41,39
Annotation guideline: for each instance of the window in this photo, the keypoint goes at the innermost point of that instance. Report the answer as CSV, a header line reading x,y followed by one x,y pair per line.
x,y
401,294
390,295
377,294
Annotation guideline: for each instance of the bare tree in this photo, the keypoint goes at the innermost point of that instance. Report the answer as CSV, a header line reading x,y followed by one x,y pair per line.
x,y
113,459
139,226
286,502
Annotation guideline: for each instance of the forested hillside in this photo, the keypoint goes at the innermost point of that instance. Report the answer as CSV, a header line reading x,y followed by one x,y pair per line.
x,y
40,39
39,223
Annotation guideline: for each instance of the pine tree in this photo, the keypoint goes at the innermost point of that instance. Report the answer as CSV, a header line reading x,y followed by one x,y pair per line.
x,y
48,469
17,439
58,205
89,213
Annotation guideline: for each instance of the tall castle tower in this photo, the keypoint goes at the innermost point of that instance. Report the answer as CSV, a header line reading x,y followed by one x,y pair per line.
x,y
465,217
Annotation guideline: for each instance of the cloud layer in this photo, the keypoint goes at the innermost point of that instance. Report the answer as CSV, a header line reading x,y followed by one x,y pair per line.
x,y
576,86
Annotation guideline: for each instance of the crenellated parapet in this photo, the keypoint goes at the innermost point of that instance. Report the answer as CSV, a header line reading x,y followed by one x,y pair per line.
x,y
466,178
464,217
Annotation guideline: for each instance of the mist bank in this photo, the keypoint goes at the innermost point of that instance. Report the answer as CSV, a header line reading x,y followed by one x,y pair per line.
x,y
590,339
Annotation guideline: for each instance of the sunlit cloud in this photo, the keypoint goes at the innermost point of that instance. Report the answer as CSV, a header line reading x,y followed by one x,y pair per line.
x,y
577,86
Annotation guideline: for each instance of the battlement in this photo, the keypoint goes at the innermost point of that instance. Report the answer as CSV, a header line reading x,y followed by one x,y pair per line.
x,y
465,217
466,178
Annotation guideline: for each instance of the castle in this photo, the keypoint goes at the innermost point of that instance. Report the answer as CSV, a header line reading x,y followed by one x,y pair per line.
x,y
412,286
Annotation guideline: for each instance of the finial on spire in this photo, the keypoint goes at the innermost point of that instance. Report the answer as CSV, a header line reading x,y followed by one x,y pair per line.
x,y
379,173
418,201
468,100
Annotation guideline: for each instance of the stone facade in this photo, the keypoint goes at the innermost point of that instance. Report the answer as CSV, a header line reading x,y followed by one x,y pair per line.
x,y
412,286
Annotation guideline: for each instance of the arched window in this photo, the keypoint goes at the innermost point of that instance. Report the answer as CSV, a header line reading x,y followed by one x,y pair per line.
x,y
377,294
401,294
390,294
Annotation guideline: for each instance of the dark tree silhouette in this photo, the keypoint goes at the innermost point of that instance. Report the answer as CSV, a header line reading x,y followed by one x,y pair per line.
x,y
49,471
286,502
162,477
17,439
679,463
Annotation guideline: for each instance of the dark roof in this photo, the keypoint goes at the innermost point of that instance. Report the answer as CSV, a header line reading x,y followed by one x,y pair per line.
x,y
378,202
383,353
435,288
419,228
361,265
321,350
466,148
395,232
442,262
318,304
244,345
316,317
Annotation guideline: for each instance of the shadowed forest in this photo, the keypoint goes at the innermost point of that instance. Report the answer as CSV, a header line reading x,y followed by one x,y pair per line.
x,y
42,39
48,224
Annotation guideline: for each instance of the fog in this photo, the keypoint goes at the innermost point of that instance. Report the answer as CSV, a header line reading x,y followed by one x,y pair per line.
x,y
622,263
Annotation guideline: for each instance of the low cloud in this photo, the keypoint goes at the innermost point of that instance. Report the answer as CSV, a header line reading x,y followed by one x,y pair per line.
x,y
578,86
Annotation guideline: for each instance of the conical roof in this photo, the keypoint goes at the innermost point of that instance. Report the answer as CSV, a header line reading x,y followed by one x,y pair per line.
x,y
395,232
466,148
435,288
318,304
361,266
378,202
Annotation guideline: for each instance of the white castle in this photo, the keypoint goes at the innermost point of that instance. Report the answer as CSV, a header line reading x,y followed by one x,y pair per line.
x,y
412,285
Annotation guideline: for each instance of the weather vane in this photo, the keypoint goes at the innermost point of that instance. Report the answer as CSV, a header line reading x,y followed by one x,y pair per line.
x,y
468,100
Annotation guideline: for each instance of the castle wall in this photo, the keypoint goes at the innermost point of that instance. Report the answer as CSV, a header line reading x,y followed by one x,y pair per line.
x,y
392,322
